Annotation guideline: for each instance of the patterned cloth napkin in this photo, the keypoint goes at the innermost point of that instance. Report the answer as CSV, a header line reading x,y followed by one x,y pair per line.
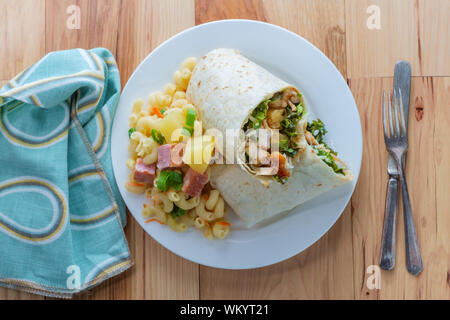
x,y
61,214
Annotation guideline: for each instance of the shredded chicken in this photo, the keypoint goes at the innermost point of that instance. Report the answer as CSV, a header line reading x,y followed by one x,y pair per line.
x,y
310,139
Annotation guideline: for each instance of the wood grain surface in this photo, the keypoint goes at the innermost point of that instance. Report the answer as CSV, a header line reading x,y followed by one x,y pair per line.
x,y
336,267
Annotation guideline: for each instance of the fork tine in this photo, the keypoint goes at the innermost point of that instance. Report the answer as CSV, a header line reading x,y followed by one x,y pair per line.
x,y
402,113
391,123
384,116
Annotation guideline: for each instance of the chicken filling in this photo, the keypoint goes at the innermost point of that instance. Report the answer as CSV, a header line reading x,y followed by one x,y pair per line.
x,y
274,120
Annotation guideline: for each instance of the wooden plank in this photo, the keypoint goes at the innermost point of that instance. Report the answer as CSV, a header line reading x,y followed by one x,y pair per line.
x,y
413,30
22,31
369,197
9,294
373,52
322,22
158,273
211,10
145,24
439,280
319,21
434,27
323,271
369,193
98,24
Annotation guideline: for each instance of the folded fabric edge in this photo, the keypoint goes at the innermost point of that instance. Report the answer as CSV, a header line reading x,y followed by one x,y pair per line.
x,y
64,293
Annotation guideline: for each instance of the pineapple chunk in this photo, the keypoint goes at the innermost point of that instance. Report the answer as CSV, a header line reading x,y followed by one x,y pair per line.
x,y
198,152
173,119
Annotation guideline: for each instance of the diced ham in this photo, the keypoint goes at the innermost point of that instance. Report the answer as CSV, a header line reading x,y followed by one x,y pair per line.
x,y
169,156
193,182
144,173
164,156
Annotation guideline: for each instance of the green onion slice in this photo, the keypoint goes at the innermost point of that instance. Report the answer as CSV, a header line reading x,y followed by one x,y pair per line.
x,y
130,132
190,118
169,179
158,137
177,212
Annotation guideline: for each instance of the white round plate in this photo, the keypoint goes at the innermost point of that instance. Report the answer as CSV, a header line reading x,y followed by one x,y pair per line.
x,y
291,58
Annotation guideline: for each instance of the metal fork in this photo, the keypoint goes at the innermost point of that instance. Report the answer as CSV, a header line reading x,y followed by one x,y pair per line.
x,y
396,139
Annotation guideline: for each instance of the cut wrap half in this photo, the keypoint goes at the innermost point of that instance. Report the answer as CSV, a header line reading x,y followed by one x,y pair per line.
x,y
313,174
233,93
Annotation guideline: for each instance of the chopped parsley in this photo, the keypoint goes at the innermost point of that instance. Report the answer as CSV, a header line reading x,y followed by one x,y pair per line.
x,y
258,115
288,147
328,159
317,129
289,128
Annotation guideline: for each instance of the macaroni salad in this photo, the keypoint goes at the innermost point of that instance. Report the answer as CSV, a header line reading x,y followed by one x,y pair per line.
x,y
169,159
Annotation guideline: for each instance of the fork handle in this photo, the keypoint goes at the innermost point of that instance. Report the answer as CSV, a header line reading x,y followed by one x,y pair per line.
x,y
413,256
388,240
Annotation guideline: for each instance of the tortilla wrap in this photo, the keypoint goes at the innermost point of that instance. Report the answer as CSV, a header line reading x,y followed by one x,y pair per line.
x,y
225,87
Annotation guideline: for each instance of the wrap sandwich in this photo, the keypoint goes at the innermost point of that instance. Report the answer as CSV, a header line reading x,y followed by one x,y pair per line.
x,y
232,92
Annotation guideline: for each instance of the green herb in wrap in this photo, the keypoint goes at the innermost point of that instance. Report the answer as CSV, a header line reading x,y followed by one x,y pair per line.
x,y
328,159
317,129
288,147
289,123
258,115
289,129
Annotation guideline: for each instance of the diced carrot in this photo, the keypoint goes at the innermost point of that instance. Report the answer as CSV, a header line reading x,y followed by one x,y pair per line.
x,y
224,223
153,219
145,206
157,112
282,171
136,184
206,222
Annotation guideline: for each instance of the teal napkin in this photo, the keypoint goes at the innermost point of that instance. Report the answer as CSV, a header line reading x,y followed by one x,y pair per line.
x,y
61,214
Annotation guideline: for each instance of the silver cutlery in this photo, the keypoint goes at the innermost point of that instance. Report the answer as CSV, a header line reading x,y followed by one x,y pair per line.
x,y
402,82
396,139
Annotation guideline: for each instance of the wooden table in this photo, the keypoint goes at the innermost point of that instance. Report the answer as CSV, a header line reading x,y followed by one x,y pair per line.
x,y
336,266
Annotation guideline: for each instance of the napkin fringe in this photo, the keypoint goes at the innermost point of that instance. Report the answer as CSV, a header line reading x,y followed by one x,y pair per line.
x,y
56,292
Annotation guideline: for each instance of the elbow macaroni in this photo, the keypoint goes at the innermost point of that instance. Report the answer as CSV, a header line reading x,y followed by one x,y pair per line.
x,y
201,212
